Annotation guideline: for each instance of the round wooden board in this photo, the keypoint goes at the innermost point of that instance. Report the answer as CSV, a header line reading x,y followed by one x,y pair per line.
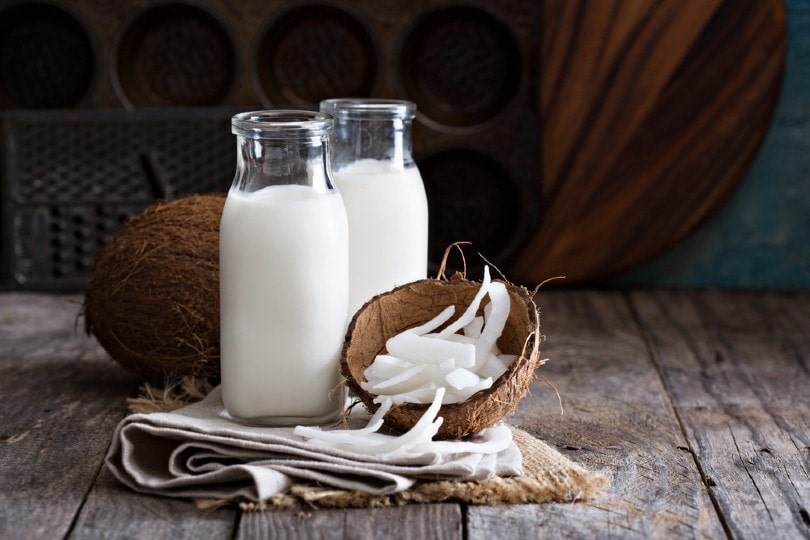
x,y
652,113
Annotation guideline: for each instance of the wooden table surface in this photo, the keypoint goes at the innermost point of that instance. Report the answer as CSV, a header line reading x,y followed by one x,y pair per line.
x,y
696,404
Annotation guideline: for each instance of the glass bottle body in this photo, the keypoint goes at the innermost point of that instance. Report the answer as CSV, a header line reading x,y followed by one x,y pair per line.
x,y
383,192
283,273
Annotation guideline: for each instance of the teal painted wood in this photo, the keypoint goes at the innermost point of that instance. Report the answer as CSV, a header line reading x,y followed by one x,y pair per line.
x,y
761,237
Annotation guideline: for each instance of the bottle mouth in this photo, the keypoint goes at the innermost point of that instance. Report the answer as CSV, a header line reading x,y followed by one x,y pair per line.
x,y
362,108
281,124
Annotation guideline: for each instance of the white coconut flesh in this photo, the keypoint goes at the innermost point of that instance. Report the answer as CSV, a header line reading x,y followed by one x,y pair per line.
x,y
418,439
462,359
425,366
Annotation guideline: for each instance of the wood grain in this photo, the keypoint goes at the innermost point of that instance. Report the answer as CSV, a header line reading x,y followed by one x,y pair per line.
x,y
651,114
61,399
416,522
737,369
693,403
113,511
617,420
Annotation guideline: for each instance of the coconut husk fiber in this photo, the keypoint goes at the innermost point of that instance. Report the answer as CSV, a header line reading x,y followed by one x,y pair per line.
x,y
152,300
415,303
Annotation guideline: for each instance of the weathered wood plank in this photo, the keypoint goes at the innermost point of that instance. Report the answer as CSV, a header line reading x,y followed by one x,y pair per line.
x,y
32,324
417,522
736,364
113,511
618,420
61,399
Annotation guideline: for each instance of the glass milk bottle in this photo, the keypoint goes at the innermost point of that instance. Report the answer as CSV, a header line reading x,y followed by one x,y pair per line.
x,y
383,193
283,273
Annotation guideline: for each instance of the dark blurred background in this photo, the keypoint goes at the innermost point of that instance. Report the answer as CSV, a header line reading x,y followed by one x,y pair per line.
x,y
106,106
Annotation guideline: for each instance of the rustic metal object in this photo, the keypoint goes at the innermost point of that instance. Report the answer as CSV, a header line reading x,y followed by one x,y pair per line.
x,y
70,181
574,138
174,55
46,58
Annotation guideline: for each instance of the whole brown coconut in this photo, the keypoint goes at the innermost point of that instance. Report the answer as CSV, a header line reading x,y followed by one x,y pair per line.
x,y
153,296
415,303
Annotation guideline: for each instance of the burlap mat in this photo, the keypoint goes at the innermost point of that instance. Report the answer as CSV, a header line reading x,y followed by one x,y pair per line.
x,y
548,475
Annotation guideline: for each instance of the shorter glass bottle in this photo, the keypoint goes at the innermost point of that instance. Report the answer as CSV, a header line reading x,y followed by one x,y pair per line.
x,y
383,193
283,273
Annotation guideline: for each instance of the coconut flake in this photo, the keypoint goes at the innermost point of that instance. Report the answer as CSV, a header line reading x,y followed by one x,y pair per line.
x,y
456,338
463,355
488,441
368,441
422,431
426,350
376,420
426,378
457,396
418,439
473,329
374,443
422,394
434,323
496,365
339,435
385,366
495,322
395,381
472,309
461,378
447,366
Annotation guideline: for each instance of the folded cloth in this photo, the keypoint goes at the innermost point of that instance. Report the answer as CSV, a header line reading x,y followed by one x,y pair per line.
x,y
198,451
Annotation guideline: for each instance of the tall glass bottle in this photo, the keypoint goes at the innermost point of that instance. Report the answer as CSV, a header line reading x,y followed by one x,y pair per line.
x,y
383,193
283,272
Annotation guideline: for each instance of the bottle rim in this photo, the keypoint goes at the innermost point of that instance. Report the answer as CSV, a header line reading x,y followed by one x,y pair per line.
x,y
281,124
369,108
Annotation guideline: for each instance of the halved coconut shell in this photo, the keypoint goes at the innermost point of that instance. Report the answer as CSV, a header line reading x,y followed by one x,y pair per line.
x,y
415,303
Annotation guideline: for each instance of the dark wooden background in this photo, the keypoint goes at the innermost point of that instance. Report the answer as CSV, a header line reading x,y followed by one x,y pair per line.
x,y
562,138
761,237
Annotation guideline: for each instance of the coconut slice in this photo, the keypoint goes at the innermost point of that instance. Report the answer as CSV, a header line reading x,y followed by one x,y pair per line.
x,y
410,307
473,329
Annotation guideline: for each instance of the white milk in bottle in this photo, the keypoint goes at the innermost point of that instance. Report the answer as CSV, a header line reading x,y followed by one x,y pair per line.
x,y
283,273
383,193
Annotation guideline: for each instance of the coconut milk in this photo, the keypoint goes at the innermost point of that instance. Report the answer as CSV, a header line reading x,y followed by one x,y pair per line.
x,y
388,227
284,298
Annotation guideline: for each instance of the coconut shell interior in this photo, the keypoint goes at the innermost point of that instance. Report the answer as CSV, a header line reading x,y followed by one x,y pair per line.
x,y
415,303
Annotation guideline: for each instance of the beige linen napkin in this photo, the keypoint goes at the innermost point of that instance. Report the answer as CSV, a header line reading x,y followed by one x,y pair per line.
x,y
197,451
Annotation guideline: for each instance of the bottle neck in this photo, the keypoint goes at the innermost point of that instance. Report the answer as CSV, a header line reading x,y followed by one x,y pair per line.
x,y
371,129
278,148
261,163
384,140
